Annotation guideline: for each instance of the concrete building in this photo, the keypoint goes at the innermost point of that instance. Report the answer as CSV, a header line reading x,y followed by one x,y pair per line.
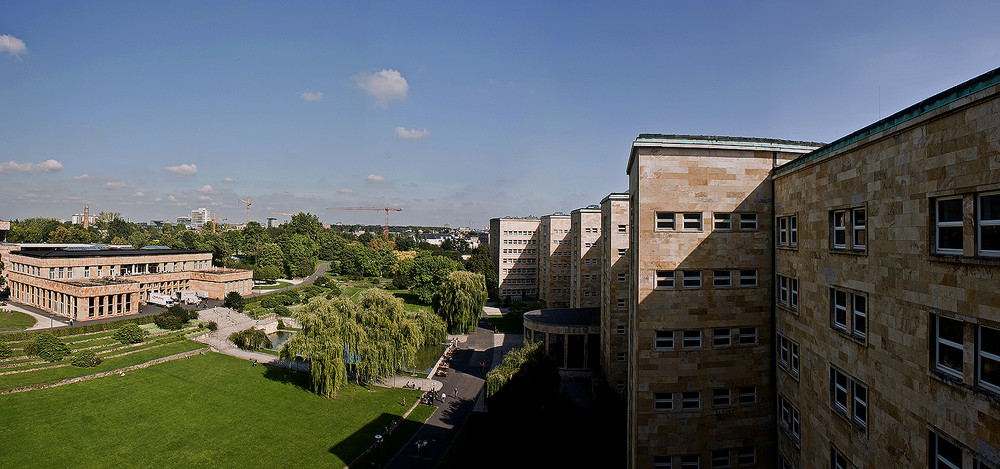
x,y
86,284
700,386
614,290
514,247
199,217
585,261
555,251
887,291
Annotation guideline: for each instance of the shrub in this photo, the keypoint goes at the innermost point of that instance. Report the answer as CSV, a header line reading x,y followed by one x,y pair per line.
x,y
168,321
321,281
289,297
130,334
250,339
184,315
270,302
282,310
48,347
233,300
281,324
212,326
5,350
86,358
333,289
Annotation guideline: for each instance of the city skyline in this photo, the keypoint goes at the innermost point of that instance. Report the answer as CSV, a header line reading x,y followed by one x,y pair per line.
x,y
155,110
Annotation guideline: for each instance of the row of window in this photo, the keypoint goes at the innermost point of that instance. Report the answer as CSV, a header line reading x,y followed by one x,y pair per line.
x,y
591,230
519,241
666,279
517,260
108,270
722,398
520,251
720,459
520,270
948,345
691,339
515,292
591,261
692,221
518,281
519,233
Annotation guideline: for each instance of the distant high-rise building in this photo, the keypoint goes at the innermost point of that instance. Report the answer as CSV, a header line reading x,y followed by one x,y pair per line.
x,y
199,217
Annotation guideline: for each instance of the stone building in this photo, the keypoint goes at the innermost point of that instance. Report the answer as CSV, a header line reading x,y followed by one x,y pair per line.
x,y
699,329
888,290
87,284
514,247
585,261
555,251
614,290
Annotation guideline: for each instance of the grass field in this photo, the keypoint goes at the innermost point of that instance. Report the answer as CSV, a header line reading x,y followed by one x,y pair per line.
x,y
15,320
276,286
205,411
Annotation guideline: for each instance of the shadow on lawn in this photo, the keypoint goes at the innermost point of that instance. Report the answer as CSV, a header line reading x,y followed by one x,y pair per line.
x,y
353,446
284,375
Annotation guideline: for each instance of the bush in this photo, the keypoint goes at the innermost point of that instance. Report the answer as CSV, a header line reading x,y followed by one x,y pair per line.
x,y
184,315
212,326
250,339
281,324
130,334
48,347
321,281
333,289
5,350
281,310
168,321
233,300
270,302
289,297
86,358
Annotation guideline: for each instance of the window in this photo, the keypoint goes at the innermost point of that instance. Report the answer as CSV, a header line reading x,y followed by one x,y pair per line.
x,y
793,231
692,279
748,395
622,302
748,335
858,233
622,228
837,460
721,398
793,291
783,290
788,417
840,229
664,221
621,330
782,231
690,400
720,459
943,453
748,222
620,357
838,390
988,358
723,221
859,318
690,461
860,401
988,224
722,278
839,300
622,278
663,462
663,401
746,456
788,355
692,339
692,221
664,340
748,278
664,279
848,309
948,223
621,252
722,338
949,345
849,397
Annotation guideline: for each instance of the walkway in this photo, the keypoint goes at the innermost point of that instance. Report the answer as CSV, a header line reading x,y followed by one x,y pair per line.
x,y
320,270
230,321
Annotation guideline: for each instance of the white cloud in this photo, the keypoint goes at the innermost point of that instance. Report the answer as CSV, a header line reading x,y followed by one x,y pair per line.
x,y
82,177
182,169
46,166
207,189
172,198
139,194
227,179
204,198
412,133
115,185
310,96
375,178
385,86
346,191
11,45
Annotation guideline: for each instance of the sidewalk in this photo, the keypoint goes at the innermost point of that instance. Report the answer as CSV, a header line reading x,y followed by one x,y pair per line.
x,y
230,321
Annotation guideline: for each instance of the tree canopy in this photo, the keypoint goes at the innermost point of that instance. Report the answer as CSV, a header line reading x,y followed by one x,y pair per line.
x,y
460,301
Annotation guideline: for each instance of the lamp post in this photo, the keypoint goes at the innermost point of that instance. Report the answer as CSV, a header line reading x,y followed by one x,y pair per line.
x,y
378,442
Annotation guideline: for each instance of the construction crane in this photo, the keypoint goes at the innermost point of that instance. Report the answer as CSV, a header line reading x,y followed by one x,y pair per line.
x,y
386,209
215,222
248,207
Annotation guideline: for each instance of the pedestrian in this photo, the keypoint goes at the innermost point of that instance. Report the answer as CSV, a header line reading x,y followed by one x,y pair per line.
x,y
255,363
404,401
455,393
443,395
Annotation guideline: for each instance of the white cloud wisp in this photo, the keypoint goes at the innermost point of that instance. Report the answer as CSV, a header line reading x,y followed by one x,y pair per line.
x,y
411,134
46,166
385,85
182,169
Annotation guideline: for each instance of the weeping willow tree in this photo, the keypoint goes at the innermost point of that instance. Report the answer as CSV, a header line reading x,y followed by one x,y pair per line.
x,y
512,363
460,300
373,337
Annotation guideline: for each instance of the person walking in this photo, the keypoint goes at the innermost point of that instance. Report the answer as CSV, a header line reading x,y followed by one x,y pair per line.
x,y
443,396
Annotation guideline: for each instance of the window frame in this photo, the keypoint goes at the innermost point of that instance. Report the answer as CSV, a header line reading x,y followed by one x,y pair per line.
x,y
783,231
720,400
748,392
685,278
748,278
665,221
695,217
663,340
722,221
934,453
938,225
980,223
694,341
938,342
748,222
691,400
985,355
663,401
842,228
747,336
716,277
856,228
793,231
664,279
716,336
840,384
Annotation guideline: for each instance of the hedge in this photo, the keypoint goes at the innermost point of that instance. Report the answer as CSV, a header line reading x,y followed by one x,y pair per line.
x,y
75,330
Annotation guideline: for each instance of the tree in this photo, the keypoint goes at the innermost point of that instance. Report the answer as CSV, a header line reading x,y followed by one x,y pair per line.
x,y
119,228
460,301
233,300
423,274
104,218
130,334
139,239
480,262
406,243
250,339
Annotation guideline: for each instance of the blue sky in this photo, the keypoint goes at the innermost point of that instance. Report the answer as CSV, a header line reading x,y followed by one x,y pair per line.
x,y
454,111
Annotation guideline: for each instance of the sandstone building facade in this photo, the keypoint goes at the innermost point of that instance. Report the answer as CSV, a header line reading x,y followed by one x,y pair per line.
x,y
585,261
514,247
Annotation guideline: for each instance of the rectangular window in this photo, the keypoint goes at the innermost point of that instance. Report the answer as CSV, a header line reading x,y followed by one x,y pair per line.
x,y
839,301
692,279
859,316
620,357
664,279
622,278
690,400
663,462
837,460
748,222
746,457
788,416
722,337
859,235
664,340
944,454
748,278
622,302
860,401
690,461
793,293
663,401
783,290
783,351
622,228
949,346
793,231
988,357
948,224
723,221
782,231
692,221
840,229
838,390
748,336
621,252
721,398
989,224
621,330
794,359
692,339
722,278
748,395
664,221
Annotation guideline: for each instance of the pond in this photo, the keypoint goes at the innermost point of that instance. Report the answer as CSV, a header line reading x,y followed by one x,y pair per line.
x,y
427,357
279,338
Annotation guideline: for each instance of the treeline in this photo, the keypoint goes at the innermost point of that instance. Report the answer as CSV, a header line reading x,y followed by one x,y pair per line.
x,y
289,250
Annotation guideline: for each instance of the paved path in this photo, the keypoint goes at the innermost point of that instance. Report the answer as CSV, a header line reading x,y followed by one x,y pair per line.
x,y
230,321
320,270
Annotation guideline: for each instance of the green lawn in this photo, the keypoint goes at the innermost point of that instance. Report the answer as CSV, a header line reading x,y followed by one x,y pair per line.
x,y
276,286
15,320
510,323
206,411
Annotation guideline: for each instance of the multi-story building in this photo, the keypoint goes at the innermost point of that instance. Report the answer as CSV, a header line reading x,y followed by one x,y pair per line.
x,y
86,284
888,290
514,247
614,290
554,259
199,217
585,262
699,328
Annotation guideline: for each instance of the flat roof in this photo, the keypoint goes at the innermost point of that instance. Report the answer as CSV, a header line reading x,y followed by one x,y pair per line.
x,y
81,253
566,316
719,142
